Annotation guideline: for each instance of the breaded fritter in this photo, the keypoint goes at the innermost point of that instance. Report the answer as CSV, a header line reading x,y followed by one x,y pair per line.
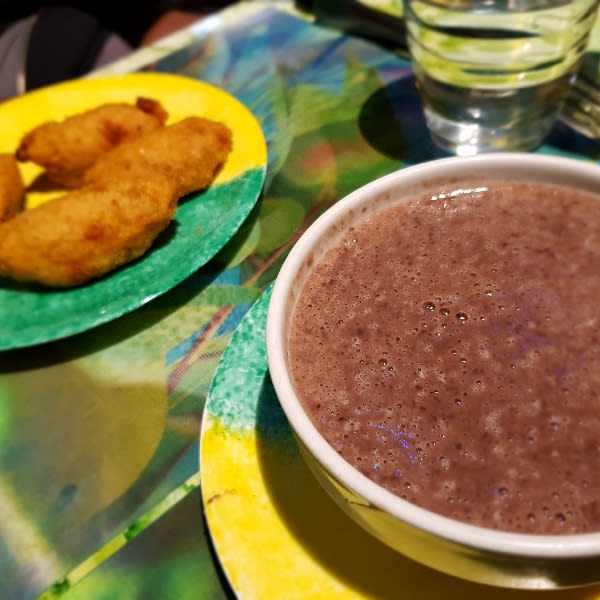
x,y
189,152
86,233
12,188
66,149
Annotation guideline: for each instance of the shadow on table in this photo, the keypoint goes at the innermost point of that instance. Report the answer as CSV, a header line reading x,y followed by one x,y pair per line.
x,y
566,140
392,121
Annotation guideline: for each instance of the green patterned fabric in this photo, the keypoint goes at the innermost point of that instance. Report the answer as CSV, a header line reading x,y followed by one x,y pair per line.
x,y
99,464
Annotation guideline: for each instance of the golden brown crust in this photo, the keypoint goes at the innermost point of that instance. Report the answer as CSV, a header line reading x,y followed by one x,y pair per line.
x,y
189,153
12,189
130,170
68,148
86,233
152,107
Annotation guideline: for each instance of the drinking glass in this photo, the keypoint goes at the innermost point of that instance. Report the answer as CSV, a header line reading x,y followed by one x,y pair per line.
x,y
493,74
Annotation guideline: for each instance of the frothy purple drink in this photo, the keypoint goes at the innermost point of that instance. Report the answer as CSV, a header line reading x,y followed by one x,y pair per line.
x,y
449,349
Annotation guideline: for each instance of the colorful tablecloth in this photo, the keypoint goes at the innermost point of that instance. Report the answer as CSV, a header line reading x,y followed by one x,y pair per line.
x,y
99,432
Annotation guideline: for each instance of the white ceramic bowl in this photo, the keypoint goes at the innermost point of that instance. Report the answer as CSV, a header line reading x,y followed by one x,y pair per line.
x,y
467,551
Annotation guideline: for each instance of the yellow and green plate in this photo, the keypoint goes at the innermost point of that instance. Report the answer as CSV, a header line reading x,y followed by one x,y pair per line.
x,y
276,532
204,223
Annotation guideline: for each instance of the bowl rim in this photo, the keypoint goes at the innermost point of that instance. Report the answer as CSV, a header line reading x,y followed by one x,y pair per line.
x,y
541,546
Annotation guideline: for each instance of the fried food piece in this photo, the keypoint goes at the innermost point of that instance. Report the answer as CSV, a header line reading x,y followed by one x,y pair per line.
x,y
189,152
12,189
86,233
68,148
